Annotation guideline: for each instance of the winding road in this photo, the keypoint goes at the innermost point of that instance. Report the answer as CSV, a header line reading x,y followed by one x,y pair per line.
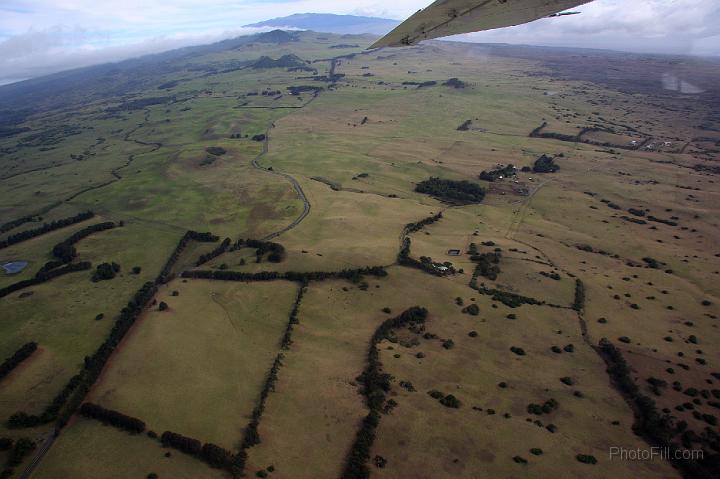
x,y
296,186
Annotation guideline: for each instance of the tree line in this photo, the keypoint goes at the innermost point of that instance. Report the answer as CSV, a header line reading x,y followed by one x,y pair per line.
x,y
214,253
18,450
45,228
24,352
73,393
424,264
112,418
65,250
658,429
251,437
212,454
222,275
165,273
293,320
376,384
5,227
511,300
43,276
417,226
579,302
21,419
275,251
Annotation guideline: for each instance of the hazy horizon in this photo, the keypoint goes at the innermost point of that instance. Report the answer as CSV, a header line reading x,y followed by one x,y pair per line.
x,y
40,37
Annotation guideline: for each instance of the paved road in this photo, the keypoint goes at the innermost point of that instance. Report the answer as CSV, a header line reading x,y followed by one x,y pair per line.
x,y
296,186
39,454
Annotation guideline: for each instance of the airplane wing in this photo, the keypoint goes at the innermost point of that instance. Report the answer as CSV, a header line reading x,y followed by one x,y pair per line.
x,y
451,17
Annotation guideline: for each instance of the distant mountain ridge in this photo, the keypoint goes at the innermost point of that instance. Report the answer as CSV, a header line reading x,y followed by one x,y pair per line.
x,y
331,23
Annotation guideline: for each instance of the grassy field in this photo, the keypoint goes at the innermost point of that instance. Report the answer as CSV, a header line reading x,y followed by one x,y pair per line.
x,y
637,226
231,331
107,452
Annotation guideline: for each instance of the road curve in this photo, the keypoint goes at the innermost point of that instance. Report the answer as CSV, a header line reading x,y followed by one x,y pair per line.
x,y
296,186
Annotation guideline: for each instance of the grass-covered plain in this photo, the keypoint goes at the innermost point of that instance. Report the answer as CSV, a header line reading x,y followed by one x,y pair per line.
x,y
138,153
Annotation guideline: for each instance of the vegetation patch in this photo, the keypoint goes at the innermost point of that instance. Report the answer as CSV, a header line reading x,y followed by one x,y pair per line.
x,y
460,192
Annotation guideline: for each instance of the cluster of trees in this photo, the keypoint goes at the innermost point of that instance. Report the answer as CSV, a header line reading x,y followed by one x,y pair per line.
x,y
465,126
214,253
488,264
545,164
658,429
297,90
65,250
546,408
455,83
377,271
216,456
376,384
216,150
633,220
182,443
275,251
661,220
45,228
18,356
164,275
579,302
105,271
212,454
463,192
112,418
43,276
497,173
425,263
419,84
511,300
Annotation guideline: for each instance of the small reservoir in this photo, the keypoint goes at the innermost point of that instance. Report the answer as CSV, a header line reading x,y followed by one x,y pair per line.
x,y
14,266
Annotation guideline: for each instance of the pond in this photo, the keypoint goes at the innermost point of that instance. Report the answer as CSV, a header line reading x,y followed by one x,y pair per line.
x,y
14,266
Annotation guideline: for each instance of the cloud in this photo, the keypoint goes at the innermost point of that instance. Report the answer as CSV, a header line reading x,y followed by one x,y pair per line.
x,y
651,26
42,36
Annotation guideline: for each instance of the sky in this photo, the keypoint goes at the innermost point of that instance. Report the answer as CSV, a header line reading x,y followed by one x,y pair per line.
x,y
39,37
